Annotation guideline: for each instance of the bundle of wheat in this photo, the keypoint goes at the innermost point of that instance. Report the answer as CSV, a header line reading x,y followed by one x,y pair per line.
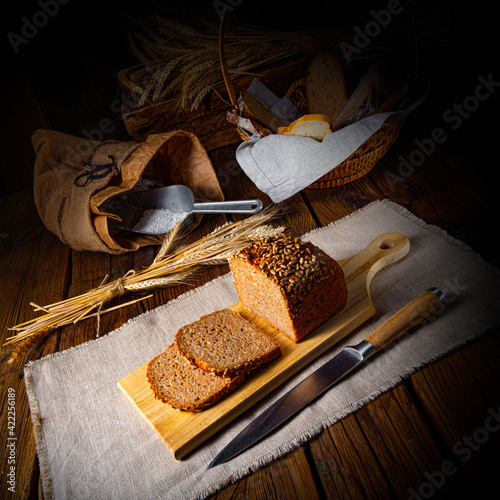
x,y
172,265
179,52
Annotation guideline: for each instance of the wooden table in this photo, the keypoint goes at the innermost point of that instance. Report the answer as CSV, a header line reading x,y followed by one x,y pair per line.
x,y
418,440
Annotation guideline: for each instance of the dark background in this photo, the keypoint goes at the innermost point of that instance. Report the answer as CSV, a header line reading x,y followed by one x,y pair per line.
x,y
84,45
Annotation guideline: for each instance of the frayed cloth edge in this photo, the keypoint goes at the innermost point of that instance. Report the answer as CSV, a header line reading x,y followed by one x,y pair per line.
x,y
421,224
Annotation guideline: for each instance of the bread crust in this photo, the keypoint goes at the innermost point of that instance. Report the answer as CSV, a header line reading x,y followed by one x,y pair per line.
x,y
315,126
292,284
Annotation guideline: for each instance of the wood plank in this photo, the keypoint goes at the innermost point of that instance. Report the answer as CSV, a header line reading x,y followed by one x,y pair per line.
x,y
289,476
460,397
34,267
183,431
347,466
388,446
36,270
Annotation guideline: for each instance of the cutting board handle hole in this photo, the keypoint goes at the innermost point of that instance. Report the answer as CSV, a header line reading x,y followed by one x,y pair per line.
x,y
386,244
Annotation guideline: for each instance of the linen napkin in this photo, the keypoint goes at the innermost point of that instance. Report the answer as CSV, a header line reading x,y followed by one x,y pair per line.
x,y
92,443
282,165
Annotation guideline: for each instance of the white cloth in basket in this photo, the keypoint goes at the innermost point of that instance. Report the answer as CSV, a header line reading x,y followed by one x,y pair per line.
x,y
282,165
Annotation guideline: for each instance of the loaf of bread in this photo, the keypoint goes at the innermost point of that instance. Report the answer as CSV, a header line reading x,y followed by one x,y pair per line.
x,y
292,284
226,344
177,382
315,126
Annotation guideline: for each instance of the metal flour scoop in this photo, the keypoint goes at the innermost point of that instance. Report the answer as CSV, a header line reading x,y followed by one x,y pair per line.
x,y
156,211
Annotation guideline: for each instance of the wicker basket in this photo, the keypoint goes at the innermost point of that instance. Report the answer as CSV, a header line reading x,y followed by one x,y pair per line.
x,y
352,168
363,159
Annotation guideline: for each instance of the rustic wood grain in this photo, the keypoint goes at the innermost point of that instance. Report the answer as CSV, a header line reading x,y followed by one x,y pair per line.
x,y
347,465
33,270
448,411
288,477
460,396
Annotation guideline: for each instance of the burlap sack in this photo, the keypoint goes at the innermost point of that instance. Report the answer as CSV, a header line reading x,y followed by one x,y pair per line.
x,y
73,177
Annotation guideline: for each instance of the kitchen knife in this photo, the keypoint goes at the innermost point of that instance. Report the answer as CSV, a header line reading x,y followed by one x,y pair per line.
x,y
331,372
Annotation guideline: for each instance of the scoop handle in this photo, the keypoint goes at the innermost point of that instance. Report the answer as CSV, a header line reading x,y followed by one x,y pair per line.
x,y
222,207
406,318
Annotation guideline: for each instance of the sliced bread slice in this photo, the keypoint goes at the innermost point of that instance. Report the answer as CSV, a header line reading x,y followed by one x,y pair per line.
x,y
326,85
184,386
226,344
315,126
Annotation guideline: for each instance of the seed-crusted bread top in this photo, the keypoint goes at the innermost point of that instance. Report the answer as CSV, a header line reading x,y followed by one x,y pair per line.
x,y
179,383
225,343
292,264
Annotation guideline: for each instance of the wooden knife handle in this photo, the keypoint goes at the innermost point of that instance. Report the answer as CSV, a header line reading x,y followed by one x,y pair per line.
x,y
406,318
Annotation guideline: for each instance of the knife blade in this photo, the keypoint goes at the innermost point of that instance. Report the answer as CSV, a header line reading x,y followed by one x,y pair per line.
x,y
330,373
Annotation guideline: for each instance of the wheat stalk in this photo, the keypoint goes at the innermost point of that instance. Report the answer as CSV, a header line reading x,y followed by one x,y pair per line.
x,y
170,267
193,41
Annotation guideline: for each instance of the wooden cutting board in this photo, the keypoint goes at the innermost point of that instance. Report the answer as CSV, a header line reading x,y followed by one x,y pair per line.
x,y
183,431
